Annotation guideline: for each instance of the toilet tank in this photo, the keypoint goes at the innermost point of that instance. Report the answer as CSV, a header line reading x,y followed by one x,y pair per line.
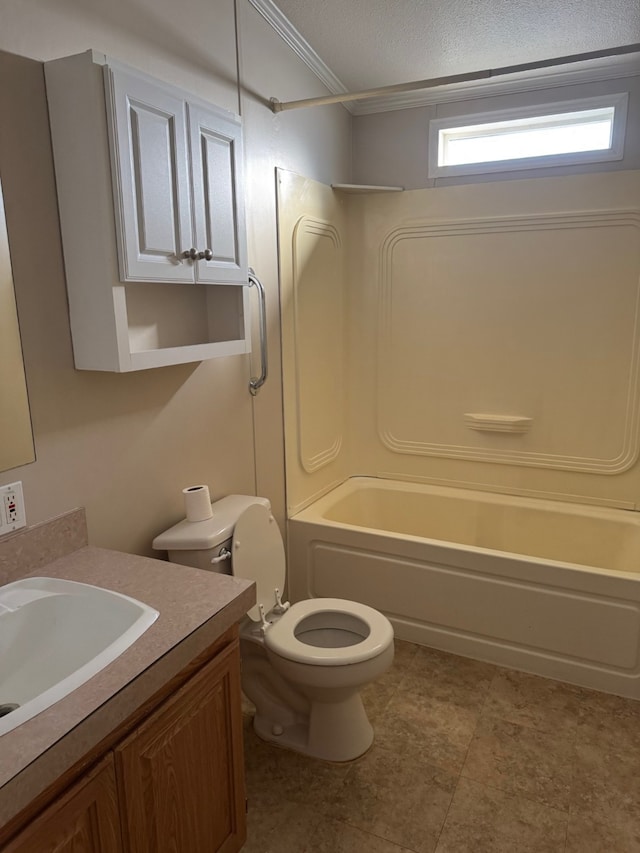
x,y
196,543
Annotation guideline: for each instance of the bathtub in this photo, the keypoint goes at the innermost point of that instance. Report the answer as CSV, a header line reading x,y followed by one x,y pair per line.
x,y
543,586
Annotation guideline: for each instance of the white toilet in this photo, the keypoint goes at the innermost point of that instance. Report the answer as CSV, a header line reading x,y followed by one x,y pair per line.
x,y
303,665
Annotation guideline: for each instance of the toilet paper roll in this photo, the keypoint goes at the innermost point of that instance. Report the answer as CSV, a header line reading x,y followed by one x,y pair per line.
x,y
197,503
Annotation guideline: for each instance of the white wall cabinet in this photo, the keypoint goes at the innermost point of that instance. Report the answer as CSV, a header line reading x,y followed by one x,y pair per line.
x,y
151,202
218,196
177,177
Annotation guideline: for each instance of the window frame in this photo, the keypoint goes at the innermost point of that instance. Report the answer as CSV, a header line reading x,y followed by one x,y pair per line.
x,y
619,101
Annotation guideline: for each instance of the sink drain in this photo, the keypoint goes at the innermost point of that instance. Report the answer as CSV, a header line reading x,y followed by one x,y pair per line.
x,y
7,708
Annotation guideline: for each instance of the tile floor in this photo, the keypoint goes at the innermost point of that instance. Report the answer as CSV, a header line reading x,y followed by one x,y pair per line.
x,y
467,757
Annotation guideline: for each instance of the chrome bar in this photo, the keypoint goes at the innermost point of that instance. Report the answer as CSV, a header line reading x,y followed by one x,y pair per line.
x,y
256,382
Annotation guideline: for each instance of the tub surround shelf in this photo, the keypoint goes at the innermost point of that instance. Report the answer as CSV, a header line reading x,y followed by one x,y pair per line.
x,y
498,423
198,610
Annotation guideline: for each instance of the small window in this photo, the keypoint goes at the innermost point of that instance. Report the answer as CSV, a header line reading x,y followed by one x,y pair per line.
x,y
587,131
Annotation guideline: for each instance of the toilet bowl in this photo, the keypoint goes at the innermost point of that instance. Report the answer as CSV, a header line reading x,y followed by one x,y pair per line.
x,y
303,665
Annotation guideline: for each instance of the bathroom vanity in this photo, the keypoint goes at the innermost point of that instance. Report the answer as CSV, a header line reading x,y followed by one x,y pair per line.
x,y
146,755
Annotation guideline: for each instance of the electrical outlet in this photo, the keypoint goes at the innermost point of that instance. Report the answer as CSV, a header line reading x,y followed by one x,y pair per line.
x,y
12,514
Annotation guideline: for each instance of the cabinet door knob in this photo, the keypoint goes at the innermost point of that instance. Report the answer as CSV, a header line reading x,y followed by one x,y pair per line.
x,y
191,253
207,255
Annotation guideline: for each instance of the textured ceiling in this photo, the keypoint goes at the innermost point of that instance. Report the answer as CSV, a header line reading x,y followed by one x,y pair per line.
x,y
370,43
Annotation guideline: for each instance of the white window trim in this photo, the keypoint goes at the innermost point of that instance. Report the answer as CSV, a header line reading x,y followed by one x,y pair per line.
x,y
619,101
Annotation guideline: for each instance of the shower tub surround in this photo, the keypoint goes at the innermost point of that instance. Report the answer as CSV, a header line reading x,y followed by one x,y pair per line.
x,y
543,586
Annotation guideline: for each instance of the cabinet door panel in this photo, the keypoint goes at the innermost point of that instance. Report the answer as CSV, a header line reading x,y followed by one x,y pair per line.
x,y
218,196
84,820
181,771
151,186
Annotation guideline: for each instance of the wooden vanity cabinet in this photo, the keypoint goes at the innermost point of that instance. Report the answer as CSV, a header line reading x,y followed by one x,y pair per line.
x,y
180,773
84,820
175,784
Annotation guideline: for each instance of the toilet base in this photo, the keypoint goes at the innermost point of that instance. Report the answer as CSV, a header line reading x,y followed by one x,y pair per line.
x,y
314,710
335,731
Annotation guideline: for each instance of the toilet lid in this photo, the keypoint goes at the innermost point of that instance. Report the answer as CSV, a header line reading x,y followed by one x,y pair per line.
x,y
258,555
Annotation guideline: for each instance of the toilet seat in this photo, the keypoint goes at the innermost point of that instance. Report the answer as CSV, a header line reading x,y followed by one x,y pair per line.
x,y
258,555
280,638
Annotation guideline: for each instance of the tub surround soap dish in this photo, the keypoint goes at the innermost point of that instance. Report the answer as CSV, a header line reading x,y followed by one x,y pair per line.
x,y
497,423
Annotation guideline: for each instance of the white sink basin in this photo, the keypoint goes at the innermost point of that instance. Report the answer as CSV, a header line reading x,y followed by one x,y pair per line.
x,y
54,636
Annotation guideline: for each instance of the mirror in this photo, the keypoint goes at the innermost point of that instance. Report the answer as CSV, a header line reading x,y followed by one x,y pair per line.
x,y
16,438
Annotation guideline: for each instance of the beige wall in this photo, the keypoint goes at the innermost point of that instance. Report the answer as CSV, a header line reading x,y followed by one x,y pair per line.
x,y
125,445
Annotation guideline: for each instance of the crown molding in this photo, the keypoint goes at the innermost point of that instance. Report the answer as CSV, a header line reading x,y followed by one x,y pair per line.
x,y
301,47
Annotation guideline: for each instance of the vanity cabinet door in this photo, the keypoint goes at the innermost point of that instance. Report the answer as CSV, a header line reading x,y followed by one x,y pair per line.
x,y
84,820
149,153
218,196
180,774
